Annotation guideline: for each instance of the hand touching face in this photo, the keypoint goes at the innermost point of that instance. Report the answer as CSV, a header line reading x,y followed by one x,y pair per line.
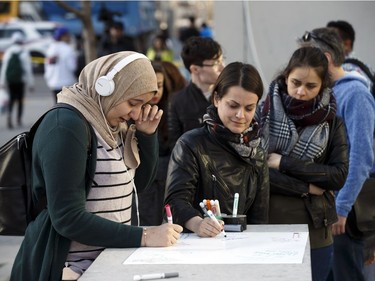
x,y
128,109
149,119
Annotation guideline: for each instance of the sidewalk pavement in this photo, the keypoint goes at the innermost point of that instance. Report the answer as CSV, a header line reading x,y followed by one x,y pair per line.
x,y
9,246
35,104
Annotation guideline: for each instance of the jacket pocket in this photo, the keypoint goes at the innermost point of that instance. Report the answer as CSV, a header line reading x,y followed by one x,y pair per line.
x,y
322,209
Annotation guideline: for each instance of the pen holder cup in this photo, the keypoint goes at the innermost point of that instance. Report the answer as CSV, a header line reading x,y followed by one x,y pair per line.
x,y
235,220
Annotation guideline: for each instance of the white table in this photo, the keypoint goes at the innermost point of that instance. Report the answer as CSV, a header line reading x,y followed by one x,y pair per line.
x,y
109,265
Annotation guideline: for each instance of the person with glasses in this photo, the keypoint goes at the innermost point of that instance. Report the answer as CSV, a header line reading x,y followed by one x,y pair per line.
x,y
222,158
357,108
353,63
307,151
203,58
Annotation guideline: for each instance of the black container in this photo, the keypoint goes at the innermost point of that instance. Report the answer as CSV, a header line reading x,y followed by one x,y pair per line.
x,y
235,220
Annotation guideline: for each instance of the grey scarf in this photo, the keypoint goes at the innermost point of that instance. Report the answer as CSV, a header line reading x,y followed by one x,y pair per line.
x,y
282,136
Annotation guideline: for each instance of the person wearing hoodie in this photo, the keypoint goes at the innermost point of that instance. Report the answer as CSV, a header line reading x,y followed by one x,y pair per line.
x,y
357,108
16,86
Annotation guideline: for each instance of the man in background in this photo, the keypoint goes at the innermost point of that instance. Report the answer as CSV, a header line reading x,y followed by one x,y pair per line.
x,y
115,40
16,75
356,107
61,62
203,58
352,63
189,31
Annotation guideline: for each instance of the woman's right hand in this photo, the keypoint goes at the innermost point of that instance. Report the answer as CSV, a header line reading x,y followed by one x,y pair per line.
x,y
161,236
204,227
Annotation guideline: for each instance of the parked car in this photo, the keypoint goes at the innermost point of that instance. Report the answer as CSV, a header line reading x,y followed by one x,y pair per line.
x,y
38,35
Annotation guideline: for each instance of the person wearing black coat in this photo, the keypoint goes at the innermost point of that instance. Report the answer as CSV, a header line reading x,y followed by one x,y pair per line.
x,y
203,58
222,158
307,151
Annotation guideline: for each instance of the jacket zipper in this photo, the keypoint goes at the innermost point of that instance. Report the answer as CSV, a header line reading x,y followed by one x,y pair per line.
x,y
218,184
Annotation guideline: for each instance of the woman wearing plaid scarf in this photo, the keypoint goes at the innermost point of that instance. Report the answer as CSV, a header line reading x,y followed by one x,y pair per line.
x,y
307,151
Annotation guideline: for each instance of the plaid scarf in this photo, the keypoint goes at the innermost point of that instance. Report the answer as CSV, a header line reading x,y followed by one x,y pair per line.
x,y
297,128
245,143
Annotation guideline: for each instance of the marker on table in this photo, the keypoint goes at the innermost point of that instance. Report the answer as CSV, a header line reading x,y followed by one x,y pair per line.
x,y
211,215
208,204
235,204
218,211
203,208
213,207
169,213
155,276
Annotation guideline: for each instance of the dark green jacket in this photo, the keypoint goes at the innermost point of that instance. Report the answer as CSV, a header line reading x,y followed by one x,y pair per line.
x,y
61,171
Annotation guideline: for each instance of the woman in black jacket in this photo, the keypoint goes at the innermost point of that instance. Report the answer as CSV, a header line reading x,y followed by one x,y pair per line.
x,y
307,151
223,157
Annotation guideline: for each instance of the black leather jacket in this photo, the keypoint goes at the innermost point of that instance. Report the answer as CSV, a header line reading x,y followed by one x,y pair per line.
x,y
186,112
290,201
202,167
329,171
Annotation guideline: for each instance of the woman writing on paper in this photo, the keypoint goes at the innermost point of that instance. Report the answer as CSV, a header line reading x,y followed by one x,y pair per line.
x,y
308,152
223,157
89,195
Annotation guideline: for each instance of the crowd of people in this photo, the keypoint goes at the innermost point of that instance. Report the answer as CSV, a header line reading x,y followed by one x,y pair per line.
x,y
300,156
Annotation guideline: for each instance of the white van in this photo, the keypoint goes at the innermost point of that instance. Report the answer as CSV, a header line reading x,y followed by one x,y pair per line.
x,y
38,35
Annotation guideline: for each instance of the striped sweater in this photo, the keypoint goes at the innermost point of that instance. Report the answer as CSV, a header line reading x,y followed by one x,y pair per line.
x,y
110,197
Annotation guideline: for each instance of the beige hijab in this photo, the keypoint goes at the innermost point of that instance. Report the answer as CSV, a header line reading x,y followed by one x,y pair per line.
x,y
135,79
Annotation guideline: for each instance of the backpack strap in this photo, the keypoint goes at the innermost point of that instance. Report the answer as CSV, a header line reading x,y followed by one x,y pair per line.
x,y
365,69
362,66
57,105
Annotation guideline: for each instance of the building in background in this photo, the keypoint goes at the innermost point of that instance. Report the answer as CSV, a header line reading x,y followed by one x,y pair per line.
x,y
264,33
137,17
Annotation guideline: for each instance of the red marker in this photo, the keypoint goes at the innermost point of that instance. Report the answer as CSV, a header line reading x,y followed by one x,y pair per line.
x,y
169,213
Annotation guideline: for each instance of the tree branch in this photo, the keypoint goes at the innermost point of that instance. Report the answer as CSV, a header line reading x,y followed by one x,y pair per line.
x,y
68,8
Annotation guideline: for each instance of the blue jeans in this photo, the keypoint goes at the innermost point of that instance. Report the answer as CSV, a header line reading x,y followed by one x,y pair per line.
x,y
321,260
369,272
348,259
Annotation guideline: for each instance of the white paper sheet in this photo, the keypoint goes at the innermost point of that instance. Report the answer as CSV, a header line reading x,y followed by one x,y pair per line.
x,y
236,248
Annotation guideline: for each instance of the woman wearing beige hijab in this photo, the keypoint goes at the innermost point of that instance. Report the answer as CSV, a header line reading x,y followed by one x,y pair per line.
x,y
117,161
